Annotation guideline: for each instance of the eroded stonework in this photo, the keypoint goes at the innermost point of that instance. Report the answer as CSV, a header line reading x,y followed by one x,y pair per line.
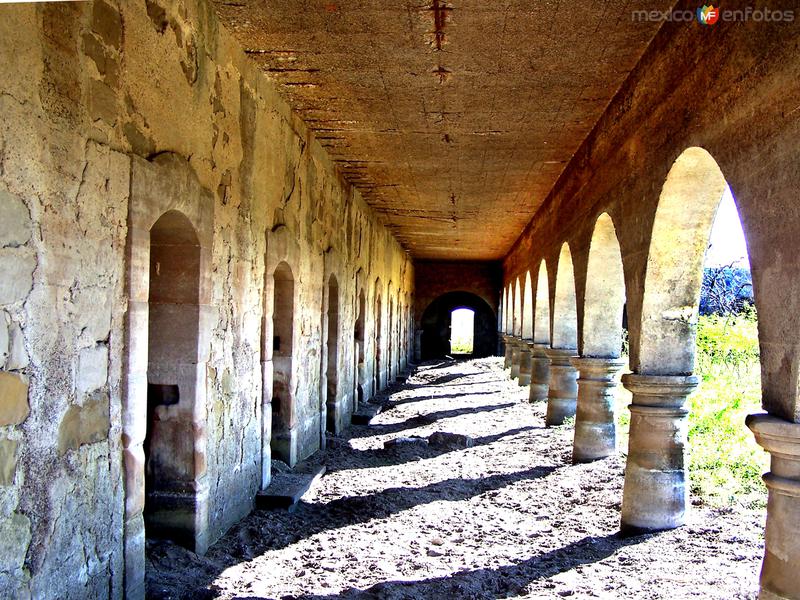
x,y
76,123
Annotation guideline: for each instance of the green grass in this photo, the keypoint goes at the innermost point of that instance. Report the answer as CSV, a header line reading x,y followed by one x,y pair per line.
x,y
461,347
725,463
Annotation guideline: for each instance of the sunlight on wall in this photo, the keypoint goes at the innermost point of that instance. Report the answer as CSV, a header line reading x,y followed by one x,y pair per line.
x,y
462,331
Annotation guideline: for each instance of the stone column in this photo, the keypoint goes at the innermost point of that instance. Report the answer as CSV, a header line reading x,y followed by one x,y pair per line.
x,y
508,348
515,356
540,372
656,492
779,571
562,394
595,427
524,363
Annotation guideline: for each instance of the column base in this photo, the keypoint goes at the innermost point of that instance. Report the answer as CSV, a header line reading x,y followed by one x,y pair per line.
x,y
540,373
562,395
779,571
595,426
507,349
524,363
656,492
515,357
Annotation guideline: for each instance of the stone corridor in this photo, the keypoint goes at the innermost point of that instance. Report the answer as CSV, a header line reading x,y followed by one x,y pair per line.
x,y
227,226
510,516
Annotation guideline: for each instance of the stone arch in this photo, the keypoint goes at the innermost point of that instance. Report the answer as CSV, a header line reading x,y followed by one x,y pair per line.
x,y
359,329
681,229
541,317
517,308
282,399
565,310
282,250
335,418
656,490
390,337
166,188
604,299
436,325
172,359
527,308
378,339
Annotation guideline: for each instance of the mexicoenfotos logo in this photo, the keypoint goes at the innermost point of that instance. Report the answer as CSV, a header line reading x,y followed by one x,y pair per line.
x,y
707,15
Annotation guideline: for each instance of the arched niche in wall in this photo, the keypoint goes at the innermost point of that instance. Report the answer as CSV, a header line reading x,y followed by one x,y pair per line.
x,y
284,436
332,367
170,231
359,329
378,365
436,325
390,337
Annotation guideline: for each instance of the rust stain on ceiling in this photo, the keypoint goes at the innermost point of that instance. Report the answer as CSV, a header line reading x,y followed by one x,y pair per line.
x,y
454,118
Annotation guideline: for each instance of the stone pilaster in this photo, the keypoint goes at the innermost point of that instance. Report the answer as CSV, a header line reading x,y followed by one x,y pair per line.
x,y
595,427
524,363
515,356
540,372
781,566
562,394
656,493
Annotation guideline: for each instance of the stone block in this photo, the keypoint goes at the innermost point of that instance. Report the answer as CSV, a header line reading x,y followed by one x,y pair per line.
x,y
85,424
17,354
93,306
14,407
5,335
16,274
8,461
15,224
107,23
102,102
92,369
15,536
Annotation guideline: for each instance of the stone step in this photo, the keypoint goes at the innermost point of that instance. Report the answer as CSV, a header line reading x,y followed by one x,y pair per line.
x,y
286,489
365,413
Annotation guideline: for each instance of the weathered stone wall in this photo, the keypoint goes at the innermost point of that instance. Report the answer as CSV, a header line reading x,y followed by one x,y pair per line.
x,y
441,286
434,278
732,90
87,89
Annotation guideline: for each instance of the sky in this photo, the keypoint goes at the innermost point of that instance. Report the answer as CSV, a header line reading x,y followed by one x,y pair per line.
x,y
727,245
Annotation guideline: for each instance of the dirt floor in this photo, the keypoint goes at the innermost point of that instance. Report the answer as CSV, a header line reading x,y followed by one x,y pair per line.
x,y
509,517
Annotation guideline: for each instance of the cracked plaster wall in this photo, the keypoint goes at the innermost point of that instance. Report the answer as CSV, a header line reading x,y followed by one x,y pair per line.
x,y
86,86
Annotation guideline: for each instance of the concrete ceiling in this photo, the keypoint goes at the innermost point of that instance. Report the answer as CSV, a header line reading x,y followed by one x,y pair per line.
x,y
453,118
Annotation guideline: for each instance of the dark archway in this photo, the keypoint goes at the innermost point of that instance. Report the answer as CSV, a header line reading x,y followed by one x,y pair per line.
x,y
436,325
